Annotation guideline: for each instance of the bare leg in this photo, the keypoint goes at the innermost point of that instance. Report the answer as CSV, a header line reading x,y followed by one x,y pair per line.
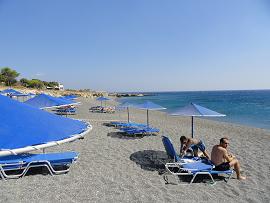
x,y
206,154
195,153
235,163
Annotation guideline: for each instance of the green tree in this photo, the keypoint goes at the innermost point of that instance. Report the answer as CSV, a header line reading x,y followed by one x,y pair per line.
x,y
2,78
52,84
36,84
9,75
24,82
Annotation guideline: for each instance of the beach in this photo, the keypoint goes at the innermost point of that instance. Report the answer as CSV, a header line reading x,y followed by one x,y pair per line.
x,y
117,168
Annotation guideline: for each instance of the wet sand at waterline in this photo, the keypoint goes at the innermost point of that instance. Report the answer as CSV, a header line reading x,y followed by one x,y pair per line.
x,y
117,168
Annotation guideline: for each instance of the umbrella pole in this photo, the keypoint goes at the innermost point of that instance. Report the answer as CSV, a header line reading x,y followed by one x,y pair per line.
x,y
128,113
147,118
192,128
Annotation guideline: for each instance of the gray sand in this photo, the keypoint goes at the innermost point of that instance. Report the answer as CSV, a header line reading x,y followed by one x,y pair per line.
x,y
120,169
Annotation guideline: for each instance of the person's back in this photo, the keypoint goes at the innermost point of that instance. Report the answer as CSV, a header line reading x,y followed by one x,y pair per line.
x,y
217,155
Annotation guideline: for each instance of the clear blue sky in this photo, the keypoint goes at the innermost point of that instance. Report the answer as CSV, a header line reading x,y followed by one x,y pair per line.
x,y
139,45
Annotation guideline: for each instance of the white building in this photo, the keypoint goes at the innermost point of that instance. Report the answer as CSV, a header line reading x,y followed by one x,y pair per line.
x,y
59,87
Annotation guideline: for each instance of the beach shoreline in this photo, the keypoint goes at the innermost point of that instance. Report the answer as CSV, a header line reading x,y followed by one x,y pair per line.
x,y
113,168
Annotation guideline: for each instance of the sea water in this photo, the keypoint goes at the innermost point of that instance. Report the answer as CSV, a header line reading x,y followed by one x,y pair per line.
x,y
245,107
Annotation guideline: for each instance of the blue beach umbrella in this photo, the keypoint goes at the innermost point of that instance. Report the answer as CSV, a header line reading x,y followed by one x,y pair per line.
x,y
195,110
31,94
10,92
43,101
13,93
24,128
149,106
101,99
126,105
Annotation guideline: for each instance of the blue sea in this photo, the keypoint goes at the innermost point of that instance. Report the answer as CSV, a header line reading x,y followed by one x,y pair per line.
x,y
245,107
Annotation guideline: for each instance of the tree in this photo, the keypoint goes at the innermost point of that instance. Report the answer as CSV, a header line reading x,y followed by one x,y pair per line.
x,y
35,84
24,82
2,78
53,84
9,76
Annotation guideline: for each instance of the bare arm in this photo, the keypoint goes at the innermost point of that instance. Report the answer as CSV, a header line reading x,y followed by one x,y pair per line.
x,y
187,145
181,148
227,157
231,155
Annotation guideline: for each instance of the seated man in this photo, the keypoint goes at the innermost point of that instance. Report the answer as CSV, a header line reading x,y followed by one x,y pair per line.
x,y
187,143
223,160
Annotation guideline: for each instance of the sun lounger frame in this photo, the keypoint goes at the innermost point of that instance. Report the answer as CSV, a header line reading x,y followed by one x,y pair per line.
x,y
182,171
193,172
25,166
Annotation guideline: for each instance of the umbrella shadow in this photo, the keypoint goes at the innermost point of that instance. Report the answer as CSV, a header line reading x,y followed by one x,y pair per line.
x,y
122,135
108,125
151,160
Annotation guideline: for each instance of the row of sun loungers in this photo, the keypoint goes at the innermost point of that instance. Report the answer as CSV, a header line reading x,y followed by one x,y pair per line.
x,y
189,166
131,128
101,109
16,166
127,124
140,131
66,110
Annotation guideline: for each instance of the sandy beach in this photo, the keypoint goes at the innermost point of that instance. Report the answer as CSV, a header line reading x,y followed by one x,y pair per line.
x,y
116,168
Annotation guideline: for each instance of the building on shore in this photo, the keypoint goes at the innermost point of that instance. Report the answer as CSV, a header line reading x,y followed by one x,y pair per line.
x,y
57,87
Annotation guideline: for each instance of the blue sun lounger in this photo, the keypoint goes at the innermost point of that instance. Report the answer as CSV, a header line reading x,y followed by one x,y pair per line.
x,y
170,149
65,111
171,152
140,131
16,166
116,123
131,125
203,167
191,166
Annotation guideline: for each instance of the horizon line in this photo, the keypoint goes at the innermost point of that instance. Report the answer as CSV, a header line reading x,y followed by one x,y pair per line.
x,y
171,91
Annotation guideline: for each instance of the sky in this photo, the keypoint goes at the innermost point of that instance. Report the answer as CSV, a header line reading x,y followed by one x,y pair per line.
x,y
139,45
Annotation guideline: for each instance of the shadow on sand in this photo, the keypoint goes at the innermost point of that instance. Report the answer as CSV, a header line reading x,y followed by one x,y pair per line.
x,y
122,135
151,160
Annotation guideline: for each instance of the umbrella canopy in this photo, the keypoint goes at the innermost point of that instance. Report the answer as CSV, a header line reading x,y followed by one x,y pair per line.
x,y
149,106
12,92
101,99
25,128
126,105
43,101
195,110
31,94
